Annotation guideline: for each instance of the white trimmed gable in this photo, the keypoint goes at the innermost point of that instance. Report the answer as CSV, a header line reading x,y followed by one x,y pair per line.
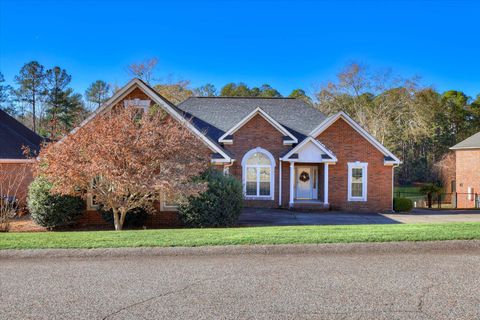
x,y
227,137
310,151
390,158
163,103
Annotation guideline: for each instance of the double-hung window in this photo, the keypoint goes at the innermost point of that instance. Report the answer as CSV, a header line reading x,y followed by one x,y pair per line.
x,y
357,181
258,179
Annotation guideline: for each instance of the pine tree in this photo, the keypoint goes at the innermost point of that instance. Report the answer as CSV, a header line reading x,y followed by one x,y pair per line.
x,y
98,92
30,81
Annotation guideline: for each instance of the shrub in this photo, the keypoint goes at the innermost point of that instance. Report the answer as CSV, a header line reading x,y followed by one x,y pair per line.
x,y
135,218
402,205
219,206
52,210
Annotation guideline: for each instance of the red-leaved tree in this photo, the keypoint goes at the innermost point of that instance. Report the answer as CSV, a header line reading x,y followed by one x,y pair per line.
x,y
125,160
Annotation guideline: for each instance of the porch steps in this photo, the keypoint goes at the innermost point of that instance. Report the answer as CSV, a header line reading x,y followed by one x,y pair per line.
x,y
310,206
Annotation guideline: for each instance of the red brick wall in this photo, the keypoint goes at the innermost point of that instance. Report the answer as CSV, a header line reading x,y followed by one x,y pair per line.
x,y
15,179
257,132
349,146
467,175
159,219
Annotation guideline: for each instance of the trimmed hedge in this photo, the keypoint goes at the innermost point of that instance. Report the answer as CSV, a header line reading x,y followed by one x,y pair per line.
x,y
402,205
52,210
135,218
219,206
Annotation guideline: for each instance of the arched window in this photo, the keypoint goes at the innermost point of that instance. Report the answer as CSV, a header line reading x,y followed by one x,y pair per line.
x,y
258,174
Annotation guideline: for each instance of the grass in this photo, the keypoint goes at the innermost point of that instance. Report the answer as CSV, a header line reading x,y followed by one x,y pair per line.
x,y
241,236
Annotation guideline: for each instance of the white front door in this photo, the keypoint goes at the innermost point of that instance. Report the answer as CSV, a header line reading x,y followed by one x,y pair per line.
x,y
306,179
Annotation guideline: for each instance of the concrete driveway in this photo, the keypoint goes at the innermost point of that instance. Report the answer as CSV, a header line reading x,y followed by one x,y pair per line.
x,y
281,217
353,281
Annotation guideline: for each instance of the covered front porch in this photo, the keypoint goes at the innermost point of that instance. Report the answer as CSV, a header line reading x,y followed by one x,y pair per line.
x,y
308,185
308,175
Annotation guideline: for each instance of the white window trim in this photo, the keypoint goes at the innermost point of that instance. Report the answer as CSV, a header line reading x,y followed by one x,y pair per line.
x,y
138,103
364,167
90,205
165,207
272,174
470,193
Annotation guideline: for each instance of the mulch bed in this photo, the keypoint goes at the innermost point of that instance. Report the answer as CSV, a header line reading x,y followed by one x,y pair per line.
x,y
25,224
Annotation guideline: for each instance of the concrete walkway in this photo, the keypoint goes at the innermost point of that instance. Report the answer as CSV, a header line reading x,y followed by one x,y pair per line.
x,y
280,217
436,216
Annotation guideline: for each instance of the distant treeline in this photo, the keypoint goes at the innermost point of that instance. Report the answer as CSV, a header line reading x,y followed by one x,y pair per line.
x,y
415,122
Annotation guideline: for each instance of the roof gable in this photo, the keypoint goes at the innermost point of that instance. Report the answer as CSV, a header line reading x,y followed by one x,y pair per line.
x,y
472,142
227,137
310,150
14,136
220,114
390,158
171,109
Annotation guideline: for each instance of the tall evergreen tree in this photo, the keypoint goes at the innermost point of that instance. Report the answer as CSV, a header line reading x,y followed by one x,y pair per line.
x,y
98,92
30,81
5,102
64,108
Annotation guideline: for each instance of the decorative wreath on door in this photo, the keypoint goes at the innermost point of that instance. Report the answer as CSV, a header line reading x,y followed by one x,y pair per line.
x,y
304,177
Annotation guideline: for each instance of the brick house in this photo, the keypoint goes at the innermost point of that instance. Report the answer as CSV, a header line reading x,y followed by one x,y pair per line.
x,y
286,153
467,171
15,167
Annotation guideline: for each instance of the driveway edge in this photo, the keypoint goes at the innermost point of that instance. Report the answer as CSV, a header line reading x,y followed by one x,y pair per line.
x,y
339,248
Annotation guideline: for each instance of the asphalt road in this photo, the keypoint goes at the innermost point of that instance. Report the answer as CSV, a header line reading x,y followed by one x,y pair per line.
x,y
357,283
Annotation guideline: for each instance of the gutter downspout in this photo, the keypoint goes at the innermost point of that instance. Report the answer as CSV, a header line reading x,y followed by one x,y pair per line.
x,y
226,167
393,182
280,183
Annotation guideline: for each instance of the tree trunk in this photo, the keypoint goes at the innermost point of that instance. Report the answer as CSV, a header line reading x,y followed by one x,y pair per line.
x,y
116,220
429,196
123,214
34,113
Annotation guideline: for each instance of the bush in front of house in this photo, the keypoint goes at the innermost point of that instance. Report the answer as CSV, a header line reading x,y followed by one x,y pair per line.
x,y
402,204
135,218
52,210
219,206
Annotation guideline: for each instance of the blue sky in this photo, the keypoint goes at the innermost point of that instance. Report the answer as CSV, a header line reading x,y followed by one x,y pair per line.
x,y
287,44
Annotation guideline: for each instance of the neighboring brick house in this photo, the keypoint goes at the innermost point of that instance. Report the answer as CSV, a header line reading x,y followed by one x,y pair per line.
x,y
467,171
286,153
15,167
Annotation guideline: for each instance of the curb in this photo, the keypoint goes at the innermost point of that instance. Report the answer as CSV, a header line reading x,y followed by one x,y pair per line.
x,y
340,248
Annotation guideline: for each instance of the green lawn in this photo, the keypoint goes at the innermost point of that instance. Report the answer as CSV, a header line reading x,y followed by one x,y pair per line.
x,y
241,236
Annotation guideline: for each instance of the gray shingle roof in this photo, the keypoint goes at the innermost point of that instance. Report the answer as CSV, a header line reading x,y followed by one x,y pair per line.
x,y
14,136
469,143
216,115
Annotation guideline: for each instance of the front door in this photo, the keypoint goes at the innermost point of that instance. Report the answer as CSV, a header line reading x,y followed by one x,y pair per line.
x,y
306,180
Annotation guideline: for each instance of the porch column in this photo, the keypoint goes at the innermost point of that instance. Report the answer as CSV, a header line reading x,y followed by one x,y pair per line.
x,y
325,183
292,181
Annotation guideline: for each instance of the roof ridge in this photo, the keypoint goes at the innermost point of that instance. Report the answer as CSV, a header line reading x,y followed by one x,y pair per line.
x,y
236,97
